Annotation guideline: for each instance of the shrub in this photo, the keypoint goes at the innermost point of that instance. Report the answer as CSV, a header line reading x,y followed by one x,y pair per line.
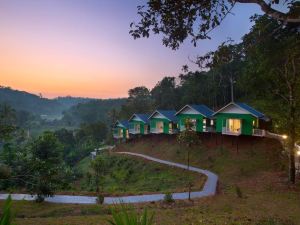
x,y
100,199
238,191
39,198
127,216
168,198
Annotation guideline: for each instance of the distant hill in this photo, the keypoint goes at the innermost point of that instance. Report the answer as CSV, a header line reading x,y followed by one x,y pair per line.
x,y
47,108
92,111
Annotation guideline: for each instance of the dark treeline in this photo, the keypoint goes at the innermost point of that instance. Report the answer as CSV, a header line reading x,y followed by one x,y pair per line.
x,y
255,67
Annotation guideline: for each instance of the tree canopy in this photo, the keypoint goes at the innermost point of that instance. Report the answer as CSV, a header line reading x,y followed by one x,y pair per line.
x,y
178,20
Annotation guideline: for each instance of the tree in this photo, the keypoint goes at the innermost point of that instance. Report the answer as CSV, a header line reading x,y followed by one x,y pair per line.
x,y
274,62
7,122
188,138
224,65
178,20
95,132
46,165
98,166
139,101
165,94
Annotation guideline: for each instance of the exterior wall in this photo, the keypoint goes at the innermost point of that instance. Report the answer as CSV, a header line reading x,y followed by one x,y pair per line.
x,y
247,122
142,125
198,117
117,131
166,122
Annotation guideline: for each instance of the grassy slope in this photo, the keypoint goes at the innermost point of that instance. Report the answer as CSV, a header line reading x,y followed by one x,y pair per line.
x,y
256,169
129,175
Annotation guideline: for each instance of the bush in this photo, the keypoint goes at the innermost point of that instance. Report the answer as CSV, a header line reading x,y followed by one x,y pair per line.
x,y
39,198
127,216
100,199
168,198
238,192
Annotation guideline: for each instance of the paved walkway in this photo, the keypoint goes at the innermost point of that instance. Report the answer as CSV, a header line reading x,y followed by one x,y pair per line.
x,y
209,189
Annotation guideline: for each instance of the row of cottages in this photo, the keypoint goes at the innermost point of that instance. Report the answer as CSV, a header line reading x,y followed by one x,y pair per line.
x,y
233,119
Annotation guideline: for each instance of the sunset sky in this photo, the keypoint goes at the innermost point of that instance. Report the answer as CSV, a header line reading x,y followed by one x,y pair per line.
x,y
82,47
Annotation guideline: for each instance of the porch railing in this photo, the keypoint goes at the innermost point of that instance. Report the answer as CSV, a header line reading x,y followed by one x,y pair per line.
x,y
227,131
156,131
259,132
134,131
182,128
117,136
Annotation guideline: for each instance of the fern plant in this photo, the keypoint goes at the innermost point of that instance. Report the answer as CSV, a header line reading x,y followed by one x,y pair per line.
x,y
127,216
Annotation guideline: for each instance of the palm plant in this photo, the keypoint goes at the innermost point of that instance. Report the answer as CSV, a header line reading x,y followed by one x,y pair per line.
x,y
6,216
127,216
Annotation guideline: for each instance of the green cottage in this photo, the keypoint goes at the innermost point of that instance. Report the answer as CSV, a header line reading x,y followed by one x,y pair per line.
x,y
240,119
121,130
163,122
199,115
139,124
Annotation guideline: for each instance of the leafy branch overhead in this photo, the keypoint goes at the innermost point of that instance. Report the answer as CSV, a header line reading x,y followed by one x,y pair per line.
x,y
178,20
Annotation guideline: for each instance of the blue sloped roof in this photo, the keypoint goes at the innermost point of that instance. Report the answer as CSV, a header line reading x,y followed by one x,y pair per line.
x,y
124,123
143,117
169,114
203,109
250,109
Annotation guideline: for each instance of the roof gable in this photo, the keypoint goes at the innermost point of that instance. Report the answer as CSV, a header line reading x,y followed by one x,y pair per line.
x,y
196,109
240,108
140,117
166,114
122,123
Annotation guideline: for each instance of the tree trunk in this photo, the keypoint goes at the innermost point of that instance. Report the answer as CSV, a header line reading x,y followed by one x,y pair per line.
x,y
189,175
291,142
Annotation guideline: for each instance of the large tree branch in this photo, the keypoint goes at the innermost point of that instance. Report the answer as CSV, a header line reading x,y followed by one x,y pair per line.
x,y
285,17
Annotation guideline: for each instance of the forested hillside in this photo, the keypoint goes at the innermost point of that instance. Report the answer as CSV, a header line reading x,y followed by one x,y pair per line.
x,y
24,101
92,111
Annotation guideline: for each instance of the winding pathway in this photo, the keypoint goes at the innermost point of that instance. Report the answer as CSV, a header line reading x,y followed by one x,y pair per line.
x,y
209,189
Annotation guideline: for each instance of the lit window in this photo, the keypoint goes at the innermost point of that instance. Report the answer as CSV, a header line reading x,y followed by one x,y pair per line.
x,y
211,122
204,121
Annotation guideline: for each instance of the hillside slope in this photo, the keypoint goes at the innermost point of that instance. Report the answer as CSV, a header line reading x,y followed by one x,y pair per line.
x,y
253,187
24,101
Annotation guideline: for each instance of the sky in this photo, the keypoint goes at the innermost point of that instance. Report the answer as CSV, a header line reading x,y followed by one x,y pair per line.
x,y
83,47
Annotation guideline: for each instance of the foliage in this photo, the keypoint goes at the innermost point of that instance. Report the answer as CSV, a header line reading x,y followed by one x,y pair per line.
x,y
100,199
98,166
164,94
6,213
238,191
89,112
46,165
180,20
7,122
127,216
168,198
128,175
139,101
188,137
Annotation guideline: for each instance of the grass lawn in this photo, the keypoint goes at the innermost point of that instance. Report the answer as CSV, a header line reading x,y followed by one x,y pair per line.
x,y
253,188
128,175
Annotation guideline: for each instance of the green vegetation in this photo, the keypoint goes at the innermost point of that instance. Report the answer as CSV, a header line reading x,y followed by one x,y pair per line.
x,y
6,213
193,20
119,175
125,216
258,169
